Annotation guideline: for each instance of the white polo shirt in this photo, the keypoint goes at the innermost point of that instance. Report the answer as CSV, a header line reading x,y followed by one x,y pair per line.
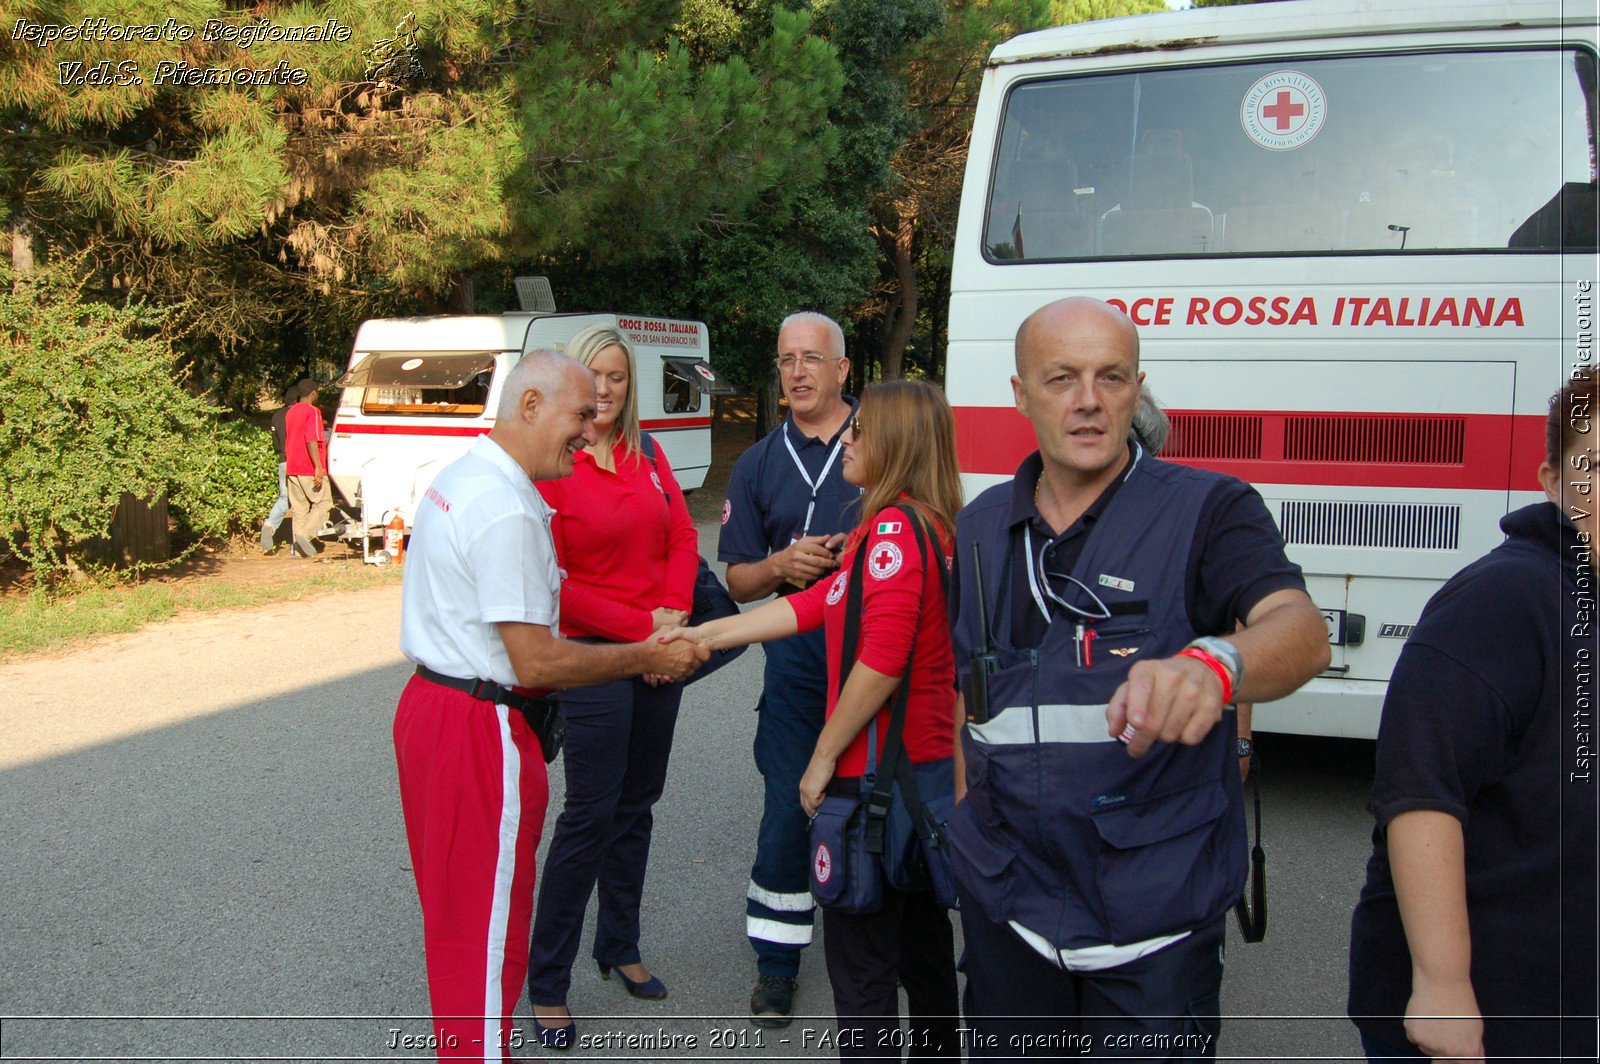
x,y
481,553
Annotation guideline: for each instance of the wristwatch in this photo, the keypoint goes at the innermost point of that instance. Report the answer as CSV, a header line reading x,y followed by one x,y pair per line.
x,y
1244,747
1224,652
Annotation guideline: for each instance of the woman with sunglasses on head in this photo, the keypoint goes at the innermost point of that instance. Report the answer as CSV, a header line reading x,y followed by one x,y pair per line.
x,y
900,450
630,554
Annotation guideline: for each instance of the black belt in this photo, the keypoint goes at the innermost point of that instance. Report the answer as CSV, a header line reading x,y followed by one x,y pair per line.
x,y
542,712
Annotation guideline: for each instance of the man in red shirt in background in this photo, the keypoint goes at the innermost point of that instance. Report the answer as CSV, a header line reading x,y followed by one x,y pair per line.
x,y
306,462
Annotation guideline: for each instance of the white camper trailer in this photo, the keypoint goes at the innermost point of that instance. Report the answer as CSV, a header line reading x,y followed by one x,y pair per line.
x,y
419,390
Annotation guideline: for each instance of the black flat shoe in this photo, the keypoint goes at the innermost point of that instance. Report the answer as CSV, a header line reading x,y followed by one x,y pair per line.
x,y
651,989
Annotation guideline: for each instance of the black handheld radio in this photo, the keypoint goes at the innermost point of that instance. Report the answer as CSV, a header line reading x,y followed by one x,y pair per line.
x,y
983,660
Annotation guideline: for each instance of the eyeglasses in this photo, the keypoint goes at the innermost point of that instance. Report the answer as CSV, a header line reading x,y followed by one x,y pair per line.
x,y
810,360
855,426
1096,610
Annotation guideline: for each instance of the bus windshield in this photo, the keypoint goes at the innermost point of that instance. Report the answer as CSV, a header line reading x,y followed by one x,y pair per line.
x,y
1440,152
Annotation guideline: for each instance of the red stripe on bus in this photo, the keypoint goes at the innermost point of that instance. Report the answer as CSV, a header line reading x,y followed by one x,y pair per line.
x,y
362,428
1502,452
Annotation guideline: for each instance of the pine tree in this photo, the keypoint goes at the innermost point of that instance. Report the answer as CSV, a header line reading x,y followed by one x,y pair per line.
x,y
495,130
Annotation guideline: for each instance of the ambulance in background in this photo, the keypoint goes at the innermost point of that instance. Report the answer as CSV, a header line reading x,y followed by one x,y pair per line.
x,y
1359,243
419,390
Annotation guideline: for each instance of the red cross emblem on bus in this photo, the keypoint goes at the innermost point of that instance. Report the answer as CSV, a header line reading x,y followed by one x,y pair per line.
x,y
884,561
1283,111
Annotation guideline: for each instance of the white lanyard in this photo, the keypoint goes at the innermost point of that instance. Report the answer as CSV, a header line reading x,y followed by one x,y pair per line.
x,y
814,485
1036,562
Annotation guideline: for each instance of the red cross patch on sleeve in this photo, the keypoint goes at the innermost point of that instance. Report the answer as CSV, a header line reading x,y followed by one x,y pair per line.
x,y
884,561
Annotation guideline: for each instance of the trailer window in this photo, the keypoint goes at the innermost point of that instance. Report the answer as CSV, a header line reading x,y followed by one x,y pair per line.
x,y
1459,151
678,393
428,384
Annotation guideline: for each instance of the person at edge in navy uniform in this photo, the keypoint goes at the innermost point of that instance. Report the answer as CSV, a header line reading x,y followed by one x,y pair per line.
x,y
1475,936
630,554
901,450
782,525
1093,906
478,615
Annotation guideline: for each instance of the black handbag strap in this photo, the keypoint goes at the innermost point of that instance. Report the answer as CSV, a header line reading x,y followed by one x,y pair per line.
x,y
1251,911
892,765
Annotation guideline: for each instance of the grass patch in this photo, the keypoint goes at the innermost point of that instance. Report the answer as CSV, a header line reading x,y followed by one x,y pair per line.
x,y
37,622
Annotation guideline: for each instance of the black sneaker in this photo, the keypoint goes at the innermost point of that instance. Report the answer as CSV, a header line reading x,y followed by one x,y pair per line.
x,y
772,1002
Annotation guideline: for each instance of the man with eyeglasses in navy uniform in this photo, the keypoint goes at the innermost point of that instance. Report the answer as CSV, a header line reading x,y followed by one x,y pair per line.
x,y
1087,599
782,525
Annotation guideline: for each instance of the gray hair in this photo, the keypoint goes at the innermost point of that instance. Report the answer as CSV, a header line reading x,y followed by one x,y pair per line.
x,y
811,317
1150,423
543,369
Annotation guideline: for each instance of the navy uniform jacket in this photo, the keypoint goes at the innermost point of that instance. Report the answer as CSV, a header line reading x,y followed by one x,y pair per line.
x,y
766,510
1062,833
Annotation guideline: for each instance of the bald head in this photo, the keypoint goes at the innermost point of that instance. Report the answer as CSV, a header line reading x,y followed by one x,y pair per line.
x,y
547,371
546,413
1075,319
1078,381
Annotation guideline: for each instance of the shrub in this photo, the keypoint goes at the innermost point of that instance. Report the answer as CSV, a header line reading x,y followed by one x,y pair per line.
x,y
90,409
232,485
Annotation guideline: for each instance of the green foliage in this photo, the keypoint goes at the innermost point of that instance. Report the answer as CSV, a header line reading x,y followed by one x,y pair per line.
x,y
90,410
231,484
539,129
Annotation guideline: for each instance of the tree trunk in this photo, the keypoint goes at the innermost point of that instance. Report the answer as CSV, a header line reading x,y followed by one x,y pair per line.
x,y
22,247
460,300
904,320
768,412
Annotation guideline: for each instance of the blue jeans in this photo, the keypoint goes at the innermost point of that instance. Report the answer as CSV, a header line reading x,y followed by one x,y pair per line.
x,y
779,911
280,509
619,736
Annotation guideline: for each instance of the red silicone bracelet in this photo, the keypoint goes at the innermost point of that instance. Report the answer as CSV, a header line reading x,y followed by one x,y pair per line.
x,y
1215,666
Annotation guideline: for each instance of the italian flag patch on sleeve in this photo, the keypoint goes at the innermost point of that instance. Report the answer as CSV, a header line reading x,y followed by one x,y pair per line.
x,y
889,528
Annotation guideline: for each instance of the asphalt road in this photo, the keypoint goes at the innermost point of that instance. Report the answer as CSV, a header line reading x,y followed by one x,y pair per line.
x,y
204,859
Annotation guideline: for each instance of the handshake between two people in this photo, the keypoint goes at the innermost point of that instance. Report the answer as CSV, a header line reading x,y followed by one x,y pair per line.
x,y
671,658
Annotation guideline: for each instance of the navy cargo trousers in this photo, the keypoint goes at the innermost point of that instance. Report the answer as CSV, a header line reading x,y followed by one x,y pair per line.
x,y
779,910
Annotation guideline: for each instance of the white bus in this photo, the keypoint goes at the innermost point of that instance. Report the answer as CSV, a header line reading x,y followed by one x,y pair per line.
x,y
1359,243
419,390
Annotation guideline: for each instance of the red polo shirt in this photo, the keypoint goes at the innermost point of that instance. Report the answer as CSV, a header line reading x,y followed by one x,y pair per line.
x,y
625,543
899,597
302,425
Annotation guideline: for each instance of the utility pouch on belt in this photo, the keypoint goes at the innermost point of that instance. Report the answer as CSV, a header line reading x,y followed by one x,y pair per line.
x,y
542,713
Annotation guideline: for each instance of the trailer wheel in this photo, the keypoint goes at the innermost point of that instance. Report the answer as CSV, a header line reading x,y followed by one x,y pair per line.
x,y
382,558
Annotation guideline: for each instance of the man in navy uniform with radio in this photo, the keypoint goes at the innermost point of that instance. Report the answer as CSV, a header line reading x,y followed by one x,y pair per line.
x,y
1101,840
782,524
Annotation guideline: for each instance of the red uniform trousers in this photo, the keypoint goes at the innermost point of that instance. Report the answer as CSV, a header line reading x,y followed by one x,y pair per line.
x,y
474,791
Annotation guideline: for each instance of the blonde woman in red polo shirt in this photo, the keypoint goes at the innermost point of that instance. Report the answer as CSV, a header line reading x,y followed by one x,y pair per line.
x,y
630,554
900,449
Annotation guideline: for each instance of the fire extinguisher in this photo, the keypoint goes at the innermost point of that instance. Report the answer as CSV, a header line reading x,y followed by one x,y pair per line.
x,y
394,537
